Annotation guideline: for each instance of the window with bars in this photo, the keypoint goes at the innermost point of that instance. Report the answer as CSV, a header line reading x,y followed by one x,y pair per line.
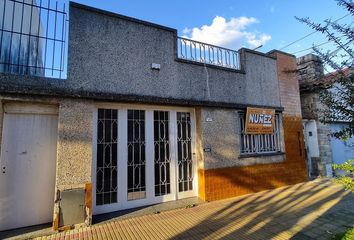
x,y
136,155
260,143
184,152
162,160
107,150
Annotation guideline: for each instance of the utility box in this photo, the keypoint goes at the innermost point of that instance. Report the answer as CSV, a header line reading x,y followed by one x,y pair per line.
x,y
72,207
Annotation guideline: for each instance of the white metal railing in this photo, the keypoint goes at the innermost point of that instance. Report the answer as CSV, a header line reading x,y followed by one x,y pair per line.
x,y
200,52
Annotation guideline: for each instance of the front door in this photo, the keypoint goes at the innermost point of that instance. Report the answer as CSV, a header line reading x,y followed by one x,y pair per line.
x,y
142,156
28,159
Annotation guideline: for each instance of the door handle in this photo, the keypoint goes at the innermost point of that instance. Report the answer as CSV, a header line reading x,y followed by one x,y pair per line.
x,y
3,169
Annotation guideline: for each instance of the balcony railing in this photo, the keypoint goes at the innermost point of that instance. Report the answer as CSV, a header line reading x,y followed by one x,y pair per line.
x,y
33,37
207,54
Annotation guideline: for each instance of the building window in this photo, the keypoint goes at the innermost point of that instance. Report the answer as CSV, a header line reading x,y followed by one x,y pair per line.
x,y
260,143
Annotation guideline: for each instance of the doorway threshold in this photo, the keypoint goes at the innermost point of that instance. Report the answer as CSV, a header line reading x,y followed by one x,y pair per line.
x,y
146,210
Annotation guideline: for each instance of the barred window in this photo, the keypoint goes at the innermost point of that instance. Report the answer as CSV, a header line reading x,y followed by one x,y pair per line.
x,y
260,143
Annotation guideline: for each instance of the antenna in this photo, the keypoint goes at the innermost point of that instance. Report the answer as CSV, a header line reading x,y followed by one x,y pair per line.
x,y
257,47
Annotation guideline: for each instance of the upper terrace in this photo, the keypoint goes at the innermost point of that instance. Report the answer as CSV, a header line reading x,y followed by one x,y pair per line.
x,y
114,57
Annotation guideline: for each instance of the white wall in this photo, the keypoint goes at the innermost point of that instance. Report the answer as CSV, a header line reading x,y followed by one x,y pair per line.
x,y
310,132
341,150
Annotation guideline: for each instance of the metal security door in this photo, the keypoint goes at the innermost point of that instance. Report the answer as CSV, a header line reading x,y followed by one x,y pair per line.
x,y
143,156
136,161
164,167
185,154
28,159
107,157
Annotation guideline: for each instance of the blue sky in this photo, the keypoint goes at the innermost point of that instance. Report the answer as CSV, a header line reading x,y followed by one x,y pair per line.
x,y
234,24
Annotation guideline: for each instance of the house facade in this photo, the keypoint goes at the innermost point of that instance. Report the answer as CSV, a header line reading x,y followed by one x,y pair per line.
x,y
143,117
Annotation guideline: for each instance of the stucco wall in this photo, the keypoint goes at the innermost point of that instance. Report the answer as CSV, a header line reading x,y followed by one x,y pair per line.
x,y
114,54
74,143
110,58
221,135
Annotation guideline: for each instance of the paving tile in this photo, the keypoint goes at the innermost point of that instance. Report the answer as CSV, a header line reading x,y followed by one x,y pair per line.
x,y
313,210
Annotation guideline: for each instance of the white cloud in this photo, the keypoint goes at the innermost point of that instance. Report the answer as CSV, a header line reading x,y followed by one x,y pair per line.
x,y
232,34
186,30
255,41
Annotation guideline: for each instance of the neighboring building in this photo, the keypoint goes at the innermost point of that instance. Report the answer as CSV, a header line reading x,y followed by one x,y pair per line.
x,y
344,150
20,45
143,119
322,149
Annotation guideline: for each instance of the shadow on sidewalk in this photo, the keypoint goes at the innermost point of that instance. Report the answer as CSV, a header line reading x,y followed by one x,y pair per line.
x,y
293,212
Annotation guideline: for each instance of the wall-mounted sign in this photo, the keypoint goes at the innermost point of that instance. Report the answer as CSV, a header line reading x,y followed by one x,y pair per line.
x,y
259,121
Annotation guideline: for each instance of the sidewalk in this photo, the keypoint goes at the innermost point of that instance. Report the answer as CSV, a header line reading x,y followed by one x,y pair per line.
x,y
312,210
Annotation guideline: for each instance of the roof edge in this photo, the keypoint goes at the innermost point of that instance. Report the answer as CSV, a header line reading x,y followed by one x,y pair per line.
x,y
257,53
116,15
274,51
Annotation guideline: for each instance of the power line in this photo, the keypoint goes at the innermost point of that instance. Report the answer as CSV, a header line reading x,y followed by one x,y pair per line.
x,y
298,40
341,48
321,44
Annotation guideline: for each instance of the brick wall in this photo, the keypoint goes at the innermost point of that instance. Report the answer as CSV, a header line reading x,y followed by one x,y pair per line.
x,y
288,84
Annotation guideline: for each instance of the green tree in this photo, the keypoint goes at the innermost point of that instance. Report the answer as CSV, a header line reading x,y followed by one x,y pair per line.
x,y
338,97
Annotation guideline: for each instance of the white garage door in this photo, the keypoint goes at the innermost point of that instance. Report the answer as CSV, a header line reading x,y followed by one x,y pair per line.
x,y
28,159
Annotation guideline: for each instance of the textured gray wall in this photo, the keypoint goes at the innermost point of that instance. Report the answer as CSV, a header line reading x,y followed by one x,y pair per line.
x,y
222,136
74,142
111,55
